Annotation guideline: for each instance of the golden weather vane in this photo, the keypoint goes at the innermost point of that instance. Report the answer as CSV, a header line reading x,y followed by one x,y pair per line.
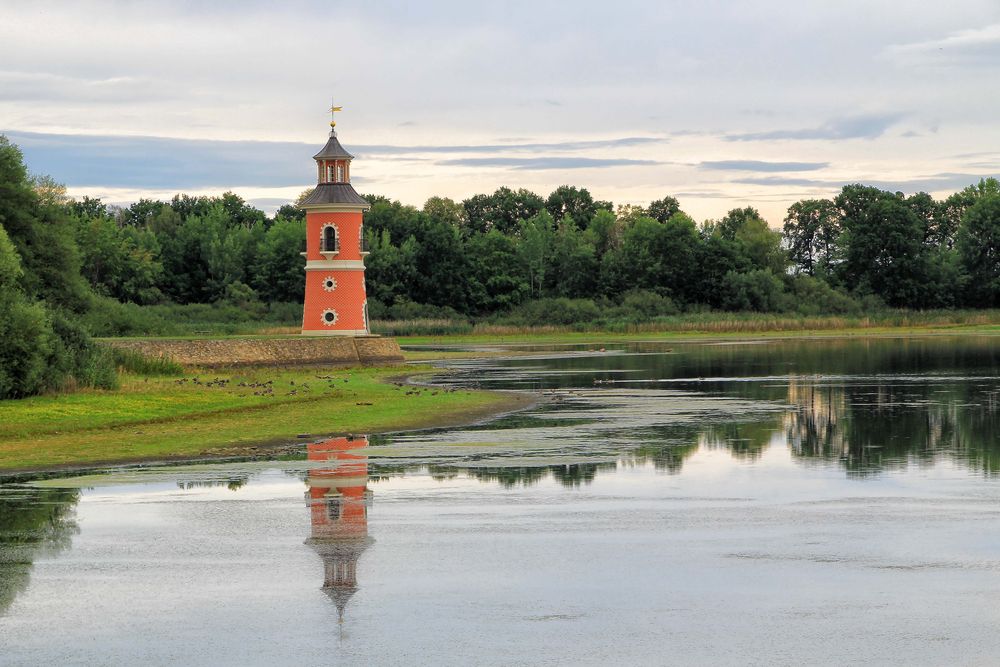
x,y
334,109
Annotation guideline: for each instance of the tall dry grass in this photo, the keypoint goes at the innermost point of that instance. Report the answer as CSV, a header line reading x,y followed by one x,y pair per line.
x,y
421,327
758,323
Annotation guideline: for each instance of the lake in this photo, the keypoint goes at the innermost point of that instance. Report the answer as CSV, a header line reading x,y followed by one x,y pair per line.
x,y
823,501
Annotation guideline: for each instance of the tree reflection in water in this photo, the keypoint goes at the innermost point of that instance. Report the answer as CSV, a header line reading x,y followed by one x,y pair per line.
x,y
876,426
568,474
867,406
34,523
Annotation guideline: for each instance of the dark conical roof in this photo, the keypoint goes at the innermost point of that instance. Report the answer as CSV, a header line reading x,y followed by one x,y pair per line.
x,y
340,596
334,193
340,550
332,150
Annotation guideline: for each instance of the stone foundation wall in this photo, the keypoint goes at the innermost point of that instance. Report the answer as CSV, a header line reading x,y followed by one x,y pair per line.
x,y
290,351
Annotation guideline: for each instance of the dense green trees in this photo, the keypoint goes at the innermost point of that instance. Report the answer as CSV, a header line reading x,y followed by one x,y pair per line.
x,y
811,230
42,233
494,251
883,246
979,249
479,263
663,209
863,248
567,200
911,252
26,336
503,210
42,291
277,273
120,262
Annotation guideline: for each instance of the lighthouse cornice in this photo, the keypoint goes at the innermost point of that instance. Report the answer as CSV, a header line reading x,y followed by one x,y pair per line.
x,y
334,208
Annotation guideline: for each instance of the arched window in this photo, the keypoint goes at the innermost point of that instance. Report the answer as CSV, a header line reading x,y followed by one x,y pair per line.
x,y
330,241
340,173
329,173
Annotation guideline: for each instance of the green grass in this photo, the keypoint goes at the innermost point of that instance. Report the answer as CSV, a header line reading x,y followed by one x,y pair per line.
x,y
155,417
731,325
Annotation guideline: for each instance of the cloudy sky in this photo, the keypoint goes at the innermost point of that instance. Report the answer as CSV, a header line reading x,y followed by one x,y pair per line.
x,y
721,103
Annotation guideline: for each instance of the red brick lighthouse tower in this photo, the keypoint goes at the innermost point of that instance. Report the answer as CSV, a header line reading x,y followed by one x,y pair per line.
x,y
336,303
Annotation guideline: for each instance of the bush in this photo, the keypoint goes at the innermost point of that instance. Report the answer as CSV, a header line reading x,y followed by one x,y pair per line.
x,y
421,327
108,317
758,290
645,305
406,318
554,311
377,310
27,346
111,318
408,310
78,357
131,361
41,351
284,312
29,359
97,369
242,296
812,296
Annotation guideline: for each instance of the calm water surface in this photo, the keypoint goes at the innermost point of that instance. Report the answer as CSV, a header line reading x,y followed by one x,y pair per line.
x,y
821,502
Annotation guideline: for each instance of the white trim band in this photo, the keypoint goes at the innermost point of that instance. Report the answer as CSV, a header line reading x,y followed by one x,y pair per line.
x,y
335,332
335,264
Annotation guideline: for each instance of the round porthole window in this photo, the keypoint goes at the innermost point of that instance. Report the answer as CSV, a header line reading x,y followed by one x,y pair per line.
x,y
329,317
329,283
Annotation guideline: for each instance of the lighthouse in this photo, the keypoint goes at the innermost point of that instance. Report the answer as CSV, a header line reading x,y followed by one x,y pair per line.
x,y
335,301
338,500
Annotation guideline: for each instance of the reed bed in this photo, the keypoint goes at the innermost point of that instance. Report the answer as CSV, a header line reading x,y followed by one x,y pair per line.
x,y
421,327
756,323
130,361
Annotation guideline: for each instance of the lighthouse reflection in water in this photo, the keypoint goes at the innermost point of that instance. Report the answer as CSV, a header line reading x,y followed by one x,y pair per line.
x,y
338,499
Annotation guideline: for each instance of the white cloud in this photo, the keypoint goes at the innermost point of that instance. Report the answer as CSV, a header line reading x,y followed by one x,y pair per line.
x,y
975,46
46,87
803,80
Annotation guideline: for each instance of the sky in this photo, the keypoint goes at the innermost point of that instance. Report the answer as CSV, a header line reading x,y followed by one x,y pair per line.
x,y
721,104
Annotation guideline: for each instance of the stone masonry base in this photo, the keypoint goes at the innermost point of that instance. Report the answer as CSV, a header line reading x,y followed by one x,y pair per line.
x,y
290,351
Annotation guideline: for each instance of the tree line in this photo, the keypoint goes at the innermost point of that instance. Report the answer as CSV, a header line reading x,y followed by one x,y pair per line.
x,y
69,267
865,248
491,253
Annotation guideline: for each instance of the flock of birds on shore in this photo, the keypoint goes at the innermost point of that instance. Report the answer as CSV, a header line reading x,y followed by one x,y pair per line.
x,y
266,387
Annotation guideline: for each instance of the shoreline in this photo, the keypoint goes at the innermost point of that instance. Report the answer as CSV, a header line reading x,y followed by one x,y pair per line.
x,y
173,433
149,420
597,337
515,401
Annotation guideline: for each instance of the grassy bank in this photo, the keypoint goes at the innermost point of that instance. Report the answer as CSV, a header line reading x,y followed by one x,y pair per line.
x,y
212,412
727,325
